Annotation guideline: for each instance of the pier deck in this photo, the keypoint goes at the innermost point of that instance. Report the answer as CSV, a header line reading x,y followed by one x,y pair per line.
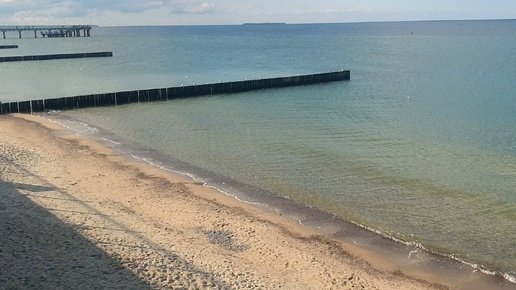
x,y
49,31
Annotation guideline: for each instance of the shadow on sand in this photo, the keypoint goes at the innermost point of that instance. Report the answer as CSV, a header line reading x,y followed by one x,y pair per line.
x,y
37,250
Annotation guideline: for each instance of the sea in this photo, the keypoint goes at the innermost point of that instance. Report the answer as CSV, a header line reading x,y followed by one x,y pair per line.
x,y
418,147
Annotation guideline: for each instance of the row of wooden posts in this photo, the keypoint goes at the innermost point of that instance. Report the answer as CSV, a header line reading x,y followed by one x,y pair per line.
x,y
56,56
8,46
127,97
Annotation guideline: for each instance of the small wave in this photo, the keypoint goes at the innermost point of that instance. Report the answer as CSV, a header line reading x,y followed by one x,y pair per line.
x,y
75,126
508,173
110,141
510,276
195,178
52,112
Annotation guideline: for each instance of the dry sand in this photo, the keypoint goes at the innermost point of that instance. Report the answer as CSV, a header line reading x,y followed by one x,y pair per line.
x,y
74,214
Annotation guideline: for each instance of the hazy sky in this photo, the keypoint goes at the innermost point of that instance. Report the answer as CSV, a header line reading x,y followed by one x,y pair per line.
x,y
173,12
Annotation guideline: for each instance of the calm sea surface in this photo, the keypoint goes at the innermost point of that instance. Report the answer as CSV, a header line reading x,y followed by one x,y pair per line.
x,y
420,145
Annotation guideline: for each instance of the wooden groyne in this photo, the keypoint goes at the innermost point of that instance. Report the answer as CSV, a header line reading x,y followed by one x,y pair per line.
x,y
56,56
127,97
9,46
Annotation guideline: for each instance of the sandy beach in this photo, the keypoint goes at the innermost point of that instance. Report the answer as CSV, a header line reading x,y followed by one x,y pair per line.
x,y
75,214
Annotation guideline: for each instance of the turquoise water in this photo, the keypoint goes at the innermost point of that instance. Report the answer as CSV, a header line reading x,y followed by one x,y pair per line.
x,y
420,145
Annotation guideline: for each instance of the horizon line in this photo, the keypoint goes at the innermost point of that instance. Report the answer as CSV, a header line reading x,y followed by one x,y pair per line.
x,y
285,23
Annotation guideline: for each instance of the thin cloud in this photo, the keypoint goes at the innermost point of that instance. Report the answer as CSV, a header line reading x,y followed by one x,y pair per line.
x,y
131,6
48,10
334,11
18,9
199,8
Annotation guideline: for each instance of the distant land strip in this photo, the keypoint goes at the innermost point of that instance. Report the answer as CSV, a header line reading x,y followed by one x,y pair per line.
x,y
264,23
56,56
162,94
8,46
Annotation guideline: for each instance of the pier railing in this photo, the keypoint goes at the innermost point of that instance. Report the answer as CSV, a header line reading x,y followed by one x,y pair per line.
x,y
161,94
50,30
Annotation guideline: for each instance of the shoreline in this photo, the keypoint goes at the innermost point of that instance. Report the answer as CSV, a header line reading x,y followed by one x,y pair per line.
x,y
411,257
273,249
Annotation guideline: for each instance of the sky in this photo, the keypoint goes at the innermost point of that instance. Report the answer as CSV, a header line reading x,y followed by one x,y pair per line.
x,y
210,12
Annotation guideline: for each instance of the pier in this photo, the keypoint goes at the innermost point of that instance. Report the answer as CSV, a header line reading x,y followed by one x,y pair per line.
x,y
49,31
162,94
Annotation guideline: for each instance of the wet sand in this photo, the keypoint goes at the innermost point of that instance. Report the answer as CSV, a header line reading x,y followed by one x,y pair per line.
x,y
75,214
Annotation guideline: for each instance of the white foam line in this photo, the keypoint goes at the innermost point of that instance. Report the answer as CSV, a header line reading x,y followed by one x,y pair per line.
x,y
417,245
150,162
111,141
197,179
62,125
412,252
510,278
78,132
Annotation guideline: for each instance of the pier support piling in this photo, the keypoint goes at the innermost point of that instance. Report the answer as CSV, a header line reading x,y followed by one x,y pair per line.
x,y
49,31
